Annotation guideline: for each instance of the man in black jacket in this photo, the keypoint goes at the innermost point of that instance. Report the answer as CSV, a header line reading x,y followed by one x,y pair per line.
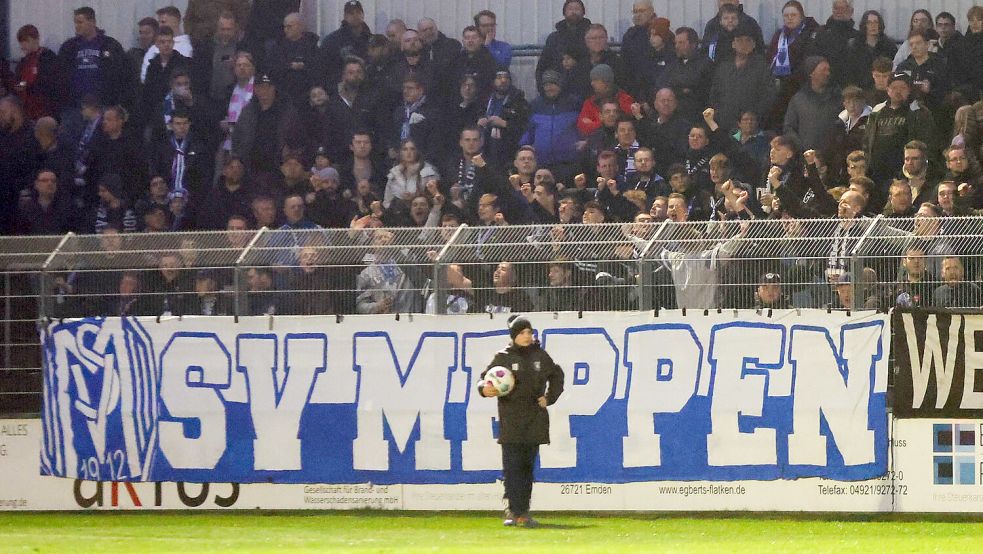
x,y
292,60
835,40
350,39
524,422
94,63
713,26
569,35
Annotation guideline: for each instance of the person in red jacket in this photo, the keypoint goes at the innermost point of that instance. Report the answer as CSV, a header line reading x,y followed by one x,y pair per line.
x,y
602,81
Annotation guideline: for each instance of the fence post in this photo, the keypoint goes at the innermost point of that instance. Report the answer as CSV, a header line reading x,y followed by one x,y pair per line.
x,y
238,303
645,265
440,276
856,267
43,291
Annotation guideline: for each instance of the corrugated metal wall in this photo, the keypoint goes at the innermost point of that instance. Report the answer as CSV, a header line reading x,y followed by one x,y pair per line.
x,y
520,21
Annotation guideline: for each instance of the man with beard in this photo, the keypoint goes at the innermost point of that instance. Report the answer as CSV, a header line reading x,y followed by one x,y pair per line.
x,y
646,179
354,106
350,39
891,126
569,34
413,63
505,119
330,209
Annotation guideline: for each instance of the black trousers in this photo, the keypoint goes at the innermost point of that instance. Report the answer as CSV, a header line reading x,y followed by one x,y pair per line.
x,y
518,463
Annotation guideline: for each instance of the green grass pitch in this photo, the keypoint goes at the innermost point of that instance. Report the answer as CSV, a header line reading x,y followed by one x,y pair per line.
x,y
483,532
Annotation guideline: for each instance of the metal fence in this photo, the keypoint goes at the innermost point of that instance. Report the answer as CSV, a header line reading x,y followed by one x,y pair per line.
x,y
872,263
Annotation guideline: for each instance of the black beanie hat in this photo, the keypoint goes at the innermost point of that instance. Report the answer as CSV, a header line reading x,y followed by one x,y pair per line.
x,y
583,8
518,324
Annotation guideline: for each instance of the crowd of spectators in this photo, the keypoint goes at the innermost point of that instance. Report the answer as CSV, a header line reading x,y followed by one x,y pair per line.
x,y
220,120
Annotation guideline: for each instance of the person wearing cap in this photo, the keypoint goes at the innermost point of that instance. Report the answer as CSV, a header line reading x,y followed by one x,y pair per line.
x,y
182,219
604,87
769,295
265,126
569,35
504,120
893,124
524,422
351,38
741,82
813,114
330,209
552,128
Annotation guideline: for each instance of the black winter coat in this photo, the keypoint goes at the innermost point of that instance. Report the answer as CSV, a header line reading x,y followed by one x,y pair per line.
x,y
521,419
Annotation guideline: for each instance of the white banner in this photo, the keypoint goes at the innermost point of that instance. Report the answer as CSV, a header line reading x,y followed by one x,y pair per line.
x,y
703,398
22,488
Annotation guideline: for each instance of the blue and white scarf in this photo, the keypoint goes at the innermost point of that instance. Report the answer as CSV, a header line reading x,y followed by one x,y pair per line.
x,y
409,110
781,66
178,165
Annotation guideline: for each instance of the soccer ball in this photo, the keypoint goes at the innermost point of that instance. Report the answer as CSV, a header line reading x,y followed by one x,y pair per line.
x,y
501,379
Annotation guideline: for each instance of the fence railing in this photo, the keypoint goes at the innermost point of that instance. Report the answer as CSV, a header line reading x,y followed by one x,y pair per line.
x,y
870,263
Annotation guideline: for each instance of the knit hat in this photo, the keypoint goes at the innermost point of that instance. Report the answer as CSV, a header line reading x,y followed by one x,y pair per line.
x,y
551,76
602,72
113,183
810,64
518,324
582,7
327,174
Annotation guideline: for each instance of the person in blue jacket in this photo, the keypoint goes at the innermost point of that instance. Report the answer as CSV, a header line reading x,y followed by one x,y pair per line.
x,y
552,129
